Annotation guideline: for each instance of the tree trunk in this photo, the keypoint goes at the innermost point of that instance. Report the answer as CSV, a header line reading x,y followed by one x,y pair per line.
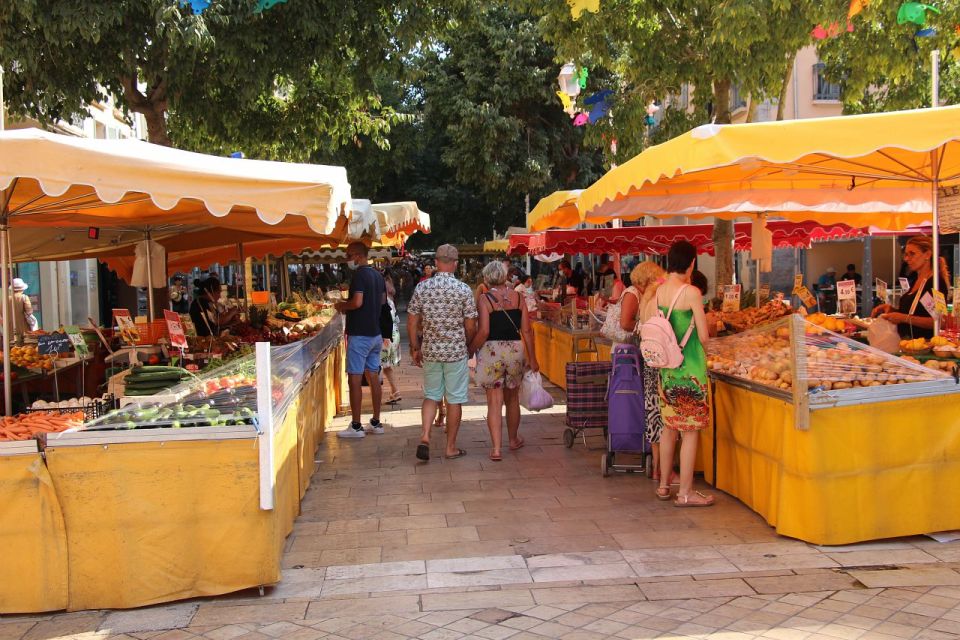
x,y
722,229
156,118
787,76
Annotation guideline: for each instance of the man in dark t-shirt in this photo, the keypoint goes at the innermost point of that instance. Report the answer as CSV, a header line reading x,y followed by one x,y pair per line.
x,y
364,342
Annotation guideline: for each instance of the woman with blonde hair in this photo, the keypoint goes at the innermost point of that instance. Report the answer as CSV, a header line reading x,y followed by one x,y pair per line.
x,y
504,336
912,318
644,280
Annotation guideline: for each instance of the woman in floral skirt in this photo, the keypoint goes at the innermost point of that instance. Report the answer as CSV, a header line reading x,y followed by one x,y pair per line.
x,y
504,336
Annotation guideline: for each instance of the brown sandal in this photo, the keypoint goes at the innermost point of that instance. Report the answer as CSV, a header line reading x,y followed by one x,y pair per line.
x,y
684,501
663,493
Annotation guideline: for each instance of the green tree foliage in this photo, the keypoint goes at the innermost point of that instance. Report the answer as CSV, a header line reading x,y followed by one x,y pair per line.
x,y
653,48
883,66
281,82
485,129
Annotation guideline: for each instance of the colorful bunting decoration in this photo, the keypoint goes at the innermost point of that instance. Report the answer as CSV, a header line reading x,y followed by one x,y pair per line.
x,y
915,12
928,32
581,119
566,101
582,75
822,33
577,7
198,6
856,6
263,5
599,96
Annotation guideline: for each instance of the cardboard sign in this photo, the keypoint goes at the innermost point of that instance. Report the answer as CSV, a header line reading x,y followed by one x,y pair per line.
x,y
927,301
53,343
847,296
956,295
904,284
881,288
129,334
806,298
764,293
79,344
731,298
178,338
939,303
797,283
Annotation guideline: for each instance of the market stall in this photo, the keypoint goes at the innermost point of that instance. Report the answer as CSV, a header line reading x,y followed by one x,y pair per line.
x,y
830,452
187,492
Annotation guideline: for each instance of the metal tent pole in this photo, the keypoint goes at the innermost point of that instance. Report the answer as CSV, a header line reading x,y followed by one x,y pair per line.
x,y
5,307
148,235
935,205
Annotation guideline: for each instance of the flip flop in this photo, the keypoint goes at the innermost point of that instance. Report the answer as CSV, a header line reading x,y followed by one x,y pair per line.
x,y
459,454
684,501
394,400
496,457
423,451
519,445
663,493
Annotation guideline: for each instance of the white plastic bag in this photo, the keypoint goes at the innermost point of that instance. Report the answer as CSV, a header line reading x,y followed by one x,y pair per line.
x,y
883,335
533,397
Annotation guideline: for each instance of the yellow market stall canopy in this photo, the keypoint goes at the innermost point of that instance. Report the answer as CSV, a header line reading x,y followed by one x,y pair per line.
x,y
557,210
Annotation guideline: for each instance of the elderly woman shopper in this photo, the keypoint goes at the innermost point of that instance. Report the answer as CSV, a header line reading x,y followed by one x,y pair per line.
x,y
645,278
503,337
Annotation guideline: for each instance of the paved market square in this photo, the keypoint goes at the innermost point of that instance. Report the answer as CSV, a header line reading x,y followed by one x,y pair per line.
x,y
539,546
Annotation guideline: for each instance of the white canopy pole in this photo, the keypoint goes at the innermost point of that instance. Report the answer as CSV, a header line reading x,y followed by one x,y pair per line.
x,y
5,306
148,235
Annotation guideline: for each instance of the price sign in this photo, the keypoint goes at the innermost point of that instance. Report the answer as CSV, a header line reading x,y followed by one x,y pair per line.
x,y
904,284
764,293
797,283
881,290
939,303
731,298
806,298
847,296
178,338
927,301
53,343
79,344
122,320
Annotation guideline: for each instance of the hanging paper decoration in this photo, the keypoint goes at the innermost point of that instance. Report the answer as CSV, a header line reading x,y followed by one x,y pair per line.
x,y
650,120
582,75
599,96
577,7
613,146
915,12
198,6
599,111
566,101
263,5
928,32
652,108
581,119
238,154
822,33
856,6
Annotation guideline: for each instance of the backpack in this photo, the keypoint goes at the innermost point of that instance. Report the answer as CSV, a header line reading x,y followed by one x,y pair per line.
x,y
658,342
611,328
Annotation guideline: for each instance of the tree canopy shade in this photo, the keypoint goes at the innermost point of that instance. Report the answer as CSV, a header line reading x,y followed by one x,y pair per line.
x,y
485,129
653,50
885,66
280,82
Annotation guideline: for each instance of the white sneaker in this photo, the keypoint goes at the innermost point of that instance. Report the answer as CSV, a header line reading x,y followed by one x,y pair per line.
x,y
378,429
351,432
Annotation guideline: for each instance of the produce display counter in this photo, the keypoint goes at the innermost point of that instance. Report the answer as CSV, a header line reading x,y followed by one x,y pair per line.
x,y
843,445
557,345
150,513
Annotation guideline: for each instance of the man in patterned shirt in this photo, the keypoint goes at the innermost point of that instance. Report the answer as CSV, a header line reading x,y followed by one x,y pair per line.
x,y
443,310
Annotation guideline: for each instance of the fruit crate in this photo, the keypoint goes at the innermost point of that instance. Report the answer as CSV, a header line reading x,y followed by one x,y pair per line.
x,y
99,407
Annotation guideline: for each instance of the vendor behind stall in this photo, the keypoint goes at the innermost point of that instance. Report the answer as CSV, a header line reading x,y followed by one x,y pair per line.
x,y
205,311
609,285
913,318
572,281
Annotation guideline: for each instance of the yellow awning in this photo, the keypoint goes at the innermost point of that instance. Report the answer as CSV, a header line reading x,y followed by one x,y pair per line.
x,y
498,246
876,169
559,209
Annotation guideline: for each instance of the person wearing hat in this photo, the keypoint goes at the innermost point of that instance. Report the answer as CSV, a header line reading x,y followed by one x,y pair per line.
x,y
826,289
444,312
21,310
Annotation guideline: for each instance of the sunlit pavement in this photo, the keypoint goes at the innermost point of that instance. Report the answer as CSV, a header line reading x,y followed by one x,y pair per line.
x,y
540,546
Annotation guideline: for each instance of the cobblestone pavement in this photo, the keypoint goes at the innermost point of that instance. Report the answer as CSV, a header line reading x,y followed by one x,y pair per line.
x,y
540,546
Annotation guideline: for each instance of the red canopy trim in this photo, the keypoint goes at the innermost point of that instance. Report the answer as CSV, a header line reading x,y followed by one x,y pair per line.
x,y
657,240
520,243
